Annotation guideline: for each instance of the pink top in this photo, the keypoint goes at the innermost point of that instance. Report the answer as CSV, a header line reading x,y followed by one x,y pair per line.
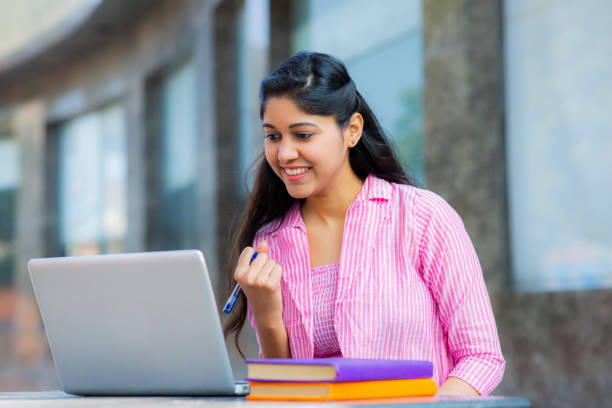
x,y
324,279
409,285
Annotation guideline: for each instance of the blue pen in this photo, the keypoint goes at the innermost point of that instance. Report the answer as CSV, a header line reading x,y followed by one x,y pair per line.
x,y
229,305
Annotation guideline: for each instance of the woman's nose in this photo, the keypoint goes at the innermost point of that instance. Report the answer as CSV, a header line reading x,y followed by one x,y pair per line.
x,y
287,152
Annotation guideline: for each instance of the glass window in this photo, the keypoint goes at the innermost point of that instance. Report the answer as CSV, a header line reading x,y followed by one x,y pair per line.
x,y
559,149
9,181
382,48
92,182
253,43
179,155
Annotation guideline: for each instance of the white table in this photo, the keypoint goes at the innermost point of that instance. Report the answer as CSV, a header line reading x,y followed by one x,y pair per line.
x,y
57,398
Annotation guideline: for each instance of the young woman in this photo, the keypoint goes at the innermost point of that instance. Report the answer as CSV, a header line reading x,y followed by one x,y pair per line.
x,y
353,259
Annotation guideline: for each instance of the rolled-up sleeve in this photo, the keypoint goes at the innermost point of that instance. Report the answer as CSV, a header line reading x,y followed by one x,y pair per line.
x,y
451,269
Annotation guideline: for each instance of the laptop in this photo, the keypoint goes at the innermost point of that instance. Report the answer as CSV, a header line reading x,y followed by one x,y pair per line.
x,y
134,324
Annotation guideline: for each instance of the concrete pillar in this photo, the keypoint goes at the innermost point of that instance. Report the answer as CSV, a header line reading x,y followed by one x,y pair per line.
x,y
206,189
31,351
136,166
464,122
281,25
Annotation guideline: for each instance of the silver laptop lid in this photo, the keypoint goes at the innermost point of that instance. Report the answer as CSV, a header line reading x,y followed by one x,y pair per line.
x,y
133,324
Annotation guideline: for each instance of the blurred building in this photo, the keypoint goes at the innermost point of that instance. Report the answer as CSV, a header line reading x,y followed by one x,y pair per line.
x,y
131,126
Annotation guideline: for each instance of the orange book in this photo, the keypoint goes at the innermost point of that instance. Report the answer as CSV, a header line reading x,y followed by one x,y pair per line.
x,y
322,391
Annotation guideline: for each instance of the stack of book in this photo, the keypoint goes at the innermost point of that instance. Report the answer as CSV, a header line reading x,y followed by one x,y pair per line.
x,y
338,379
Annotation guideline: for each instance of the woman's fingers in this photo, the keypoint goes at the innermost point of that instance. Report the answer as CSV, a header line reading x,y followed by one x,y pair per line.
x,y
264,274
275,276
262,247
260,282
259,261
255,267
242,267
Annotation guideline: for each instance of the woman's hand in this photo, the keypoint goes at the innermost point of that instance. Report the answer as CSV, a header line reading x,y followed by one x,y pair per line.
x,y
456,386
260,282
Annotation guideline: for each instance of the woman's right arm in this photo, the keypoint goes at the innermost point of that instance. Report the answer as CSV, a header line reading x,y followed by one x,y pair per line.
x,y
274,341
260,282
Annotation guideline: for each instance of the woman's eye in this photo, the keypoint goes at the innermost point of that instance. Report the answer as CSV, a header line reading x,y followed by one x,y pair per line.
x,y
303,135
272,136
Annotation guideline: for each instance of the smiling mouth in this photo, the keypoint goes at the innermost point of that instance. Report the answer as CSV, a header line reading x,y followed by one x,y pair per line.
x,y
295,173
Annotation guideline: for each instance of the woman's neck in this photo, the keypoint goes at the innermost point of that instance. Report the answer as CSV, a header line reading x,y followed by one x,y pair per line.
x,y
330,207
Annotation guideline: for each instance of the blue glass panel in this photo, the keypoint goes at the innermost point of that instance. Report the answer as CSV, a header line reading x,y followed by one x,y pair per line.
x,y
179,155
559,149
253,42
9,181
92,182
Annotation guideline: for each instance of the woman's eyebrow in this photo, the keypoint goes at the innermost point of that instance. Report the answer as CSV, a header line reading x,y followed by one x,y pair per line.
x,y
302,124
268,125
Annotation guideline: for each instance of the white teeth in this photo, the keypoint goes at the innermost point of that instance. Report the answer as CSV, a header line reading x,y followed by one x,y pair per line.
x,y
294,172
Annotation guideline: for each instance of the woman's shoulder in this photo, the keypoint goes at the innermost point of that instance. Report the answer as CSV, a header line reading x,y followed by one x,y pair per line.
x,y
425,204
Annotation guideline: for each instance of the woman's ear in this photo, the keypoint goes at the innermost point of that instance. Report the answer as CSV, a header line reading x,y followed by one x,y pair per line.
x,y
353,130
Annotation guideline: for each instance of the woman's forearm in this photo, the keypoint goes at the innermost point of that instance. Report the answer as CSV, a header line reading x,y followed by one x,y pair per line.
x,y
456,386
274,341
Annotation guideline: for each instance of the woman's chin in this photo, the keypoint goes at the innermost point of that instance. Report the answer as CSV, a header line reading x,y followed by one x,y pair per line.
x,y
298,192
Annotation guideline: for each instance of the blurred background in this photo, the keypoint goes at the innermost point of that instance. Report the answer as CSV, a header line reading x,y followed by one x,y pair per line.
x,y
130,126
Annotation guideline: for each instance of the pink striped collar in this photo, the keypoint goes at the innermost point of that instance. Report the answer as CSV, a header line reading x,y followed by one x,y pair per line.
x,y
373,189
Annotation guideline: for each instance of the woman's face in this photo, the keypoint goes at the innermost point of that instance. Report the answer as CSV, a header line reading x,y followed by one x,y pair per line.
x,y
308,152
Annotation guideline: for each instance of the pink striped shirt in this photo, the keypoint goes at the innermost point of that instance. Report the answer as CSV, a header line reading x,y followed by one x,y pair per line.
x,y
324,284
409,285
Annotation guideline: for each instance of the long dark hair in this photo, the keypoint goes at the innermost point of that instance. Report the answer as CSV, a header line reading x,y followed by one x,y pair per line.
x,y
319,84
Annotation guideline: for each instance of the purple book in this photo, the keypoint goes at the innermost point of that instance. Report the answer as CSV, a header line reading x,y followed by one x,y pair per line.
x,y
353,369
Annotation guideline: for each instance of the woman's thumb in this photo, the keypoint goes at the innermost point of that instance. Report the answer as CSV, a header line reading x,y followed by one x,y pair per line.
x,y
262,247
